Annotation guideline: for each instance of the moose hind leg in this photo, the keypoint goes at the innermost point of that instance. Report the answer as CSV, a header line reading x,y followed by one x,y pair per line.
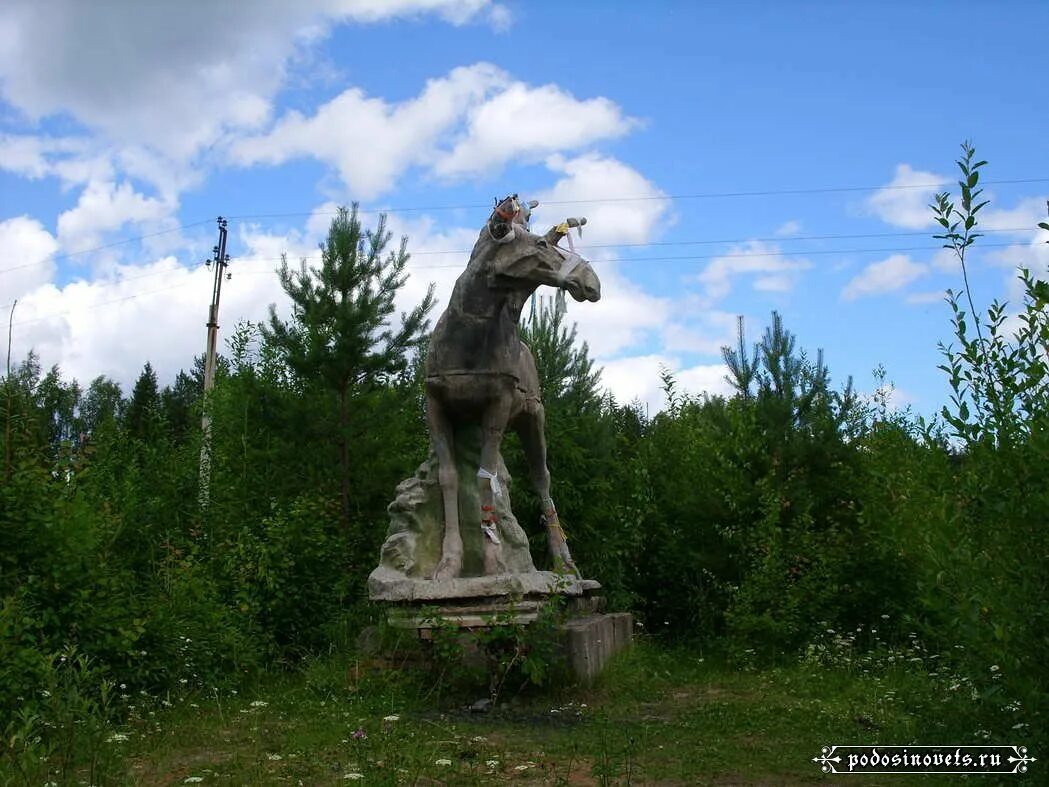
x,y
531,428
451,562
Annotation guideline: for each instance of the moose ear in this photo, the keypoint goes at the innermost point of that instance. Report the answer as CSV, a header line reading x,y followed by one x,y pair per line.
x,y
541,243
532,204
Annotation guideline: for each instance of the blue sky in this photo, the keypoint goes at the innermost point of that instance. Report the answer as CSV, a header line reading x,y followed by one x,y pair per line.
x,y
679,129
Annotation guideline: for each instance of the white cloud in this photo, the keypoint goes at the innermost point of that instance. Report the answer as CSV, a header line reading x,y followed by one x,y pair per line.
x,y
636,378
369,141
501,18
431,262
25,251
774,271
106,206
590,186
788,228
527,123
705,332
155,312
885,276
113,326
457,12
625,316
1023,218
945,260
929,296
778,283
705,378
173,76
895,399
1033,255
904,202
486,118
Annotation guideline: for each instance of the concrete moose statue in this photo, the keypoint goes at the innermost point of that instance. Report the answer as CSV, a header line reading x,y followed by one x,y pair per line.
x,y
478,369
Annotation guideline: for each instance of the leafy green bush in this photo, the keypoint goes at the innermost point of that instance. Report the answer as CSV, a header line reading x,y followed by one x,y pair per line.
x,y
287,573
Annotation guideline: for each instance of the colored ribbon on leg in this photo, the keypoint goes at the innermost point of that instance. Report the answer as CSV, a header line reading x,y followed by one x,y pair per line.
x,y
493,479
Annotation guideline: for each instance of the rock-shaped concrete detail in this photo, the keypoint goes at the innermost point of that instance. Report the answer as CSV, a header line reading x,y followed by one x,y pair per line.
x,y
412,548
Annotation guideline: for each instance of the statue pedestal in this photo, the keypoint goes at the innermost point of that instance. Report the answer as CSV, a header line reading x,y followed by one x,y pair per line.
x,y
473,601
482,602
588,637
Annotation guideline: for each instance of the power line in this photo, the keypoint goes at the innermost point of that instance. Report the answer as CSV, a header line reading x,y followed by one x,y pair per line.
x,y
106,283
595,201
773,239
103,303
687,258
133,239
681,258
646,244
653,198
725,241
746,254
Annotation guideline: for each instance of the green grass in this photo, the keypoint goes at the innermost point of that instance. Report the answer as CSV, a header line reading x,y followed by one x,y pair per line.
x,y
655,717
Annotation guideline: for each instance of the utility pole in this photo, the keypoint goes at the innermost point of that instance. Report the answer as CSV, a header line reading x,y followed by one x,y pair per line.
x,y
221,260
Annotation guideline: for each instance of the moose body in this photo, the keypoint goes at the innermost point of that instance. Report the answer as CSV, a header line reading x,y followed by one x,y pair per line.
x,y
479,371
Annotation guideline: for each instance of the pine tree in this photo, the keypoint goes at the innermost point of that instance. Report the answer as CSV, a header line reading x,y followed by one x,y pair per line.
x,y
177,403
742,370
143,410
341,335
566,371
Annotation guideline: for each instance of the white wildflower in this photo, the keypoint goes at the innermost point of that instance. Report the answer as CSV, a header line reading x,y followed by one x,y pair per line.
x,y
193,780
353,776
443,761
117,737
274,757
492,763
391,717
259,704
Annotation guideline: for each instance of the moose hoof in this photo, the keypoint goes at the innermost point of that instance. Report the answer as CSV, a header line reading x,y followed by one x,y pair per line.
x,y
449,568
562,559
562,566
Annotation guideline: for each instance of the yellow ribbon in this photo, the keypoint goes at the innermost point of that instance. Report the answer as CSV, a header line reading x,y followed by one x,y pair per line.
x,y
556,525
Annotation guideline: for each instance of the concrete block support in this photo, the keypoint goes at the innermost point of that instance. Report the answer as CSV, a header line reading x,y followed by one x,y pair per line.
x,y
591,641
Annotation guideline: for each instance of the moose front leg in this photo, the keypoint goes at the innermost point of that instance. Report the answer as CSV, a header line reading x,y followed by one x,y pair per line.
x,y
490,488
451,562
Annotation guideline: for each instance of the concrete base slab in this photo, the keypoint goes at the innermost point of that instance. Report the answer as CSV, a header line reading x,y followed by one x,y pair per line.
x,y
387,585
